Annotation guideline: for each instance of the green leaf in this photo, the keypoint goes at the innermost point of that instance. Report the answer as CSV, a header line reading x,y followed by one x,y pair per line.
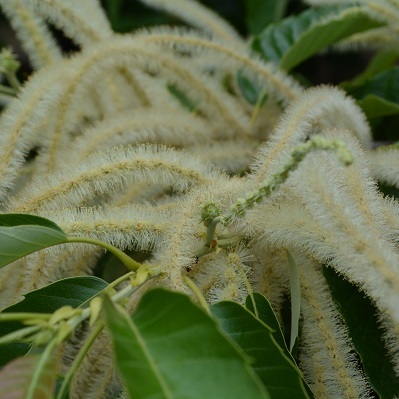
x,y
261,13
380,95
181,97
20,235
361,318
384,84
73,291
250,91
113,8
375,106
267,316
295,299
171,349
297,38
15,378
17,219
277,371
383,60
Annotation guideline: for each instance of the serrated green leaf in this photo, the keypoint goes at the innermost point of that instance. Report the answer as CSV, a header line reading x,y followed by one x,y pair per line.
x,y
379,96
15,378
261,13
384,84
73,291
361,318
296,38
21,235
277,371
171,349
382,60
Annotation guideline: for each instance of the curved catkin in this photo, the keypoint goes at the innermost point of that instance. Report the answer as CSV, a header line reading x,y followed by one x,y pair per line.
x,y
209,96
270,275
232,156
96,377
70,16
390,213
125,52
21,121
133,226
317,109
349,243
134,127
33,33
197,15
385,165
391,339
110,171
178,251
281,85
336,228
326,352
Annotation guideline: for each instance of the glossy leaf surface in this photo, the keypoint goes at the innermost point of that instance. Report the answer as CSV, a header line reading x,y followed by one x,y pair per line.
x,y
361,318
21,235
277,371
70,291
170,348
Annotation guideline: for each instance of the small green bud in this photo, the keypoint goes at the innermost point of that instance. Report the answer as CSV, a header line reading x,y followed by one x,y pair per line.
x,y
63,313
210,212
43,337
95,309
8,63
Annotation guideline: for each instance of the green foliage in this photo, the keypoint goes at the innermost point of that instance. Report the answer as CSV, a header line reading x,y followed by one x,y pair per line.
x,y
261,13
277,371
266,315
177,352
378,96
296,38
360,316
74,291
381,61
250,91
126,16
21,235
